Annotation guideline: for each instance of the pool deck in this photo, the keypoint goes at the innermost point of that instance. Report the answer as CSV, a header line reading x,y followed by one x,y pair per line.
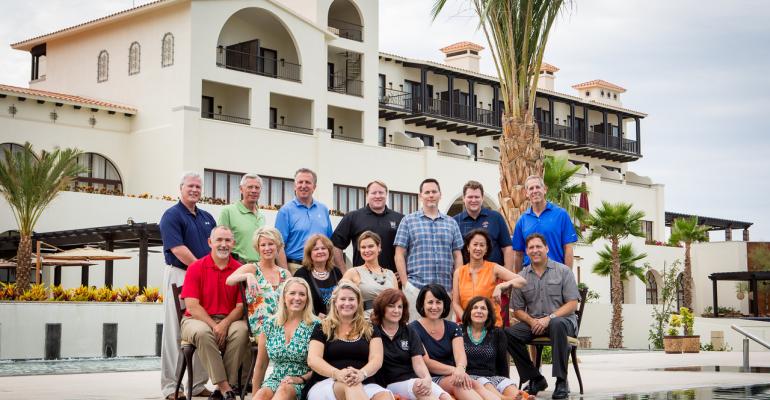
x,y
604,373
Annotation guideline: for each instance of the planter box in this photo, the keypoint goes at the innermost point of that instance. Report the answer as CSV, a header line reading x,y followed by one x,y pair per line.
x,y
672,344
691,344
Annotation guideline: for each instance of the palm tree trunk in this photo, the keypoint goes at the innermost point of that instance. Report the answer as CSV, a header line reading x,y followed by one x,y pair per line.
x,y
520,157
616,328
687,277
23,257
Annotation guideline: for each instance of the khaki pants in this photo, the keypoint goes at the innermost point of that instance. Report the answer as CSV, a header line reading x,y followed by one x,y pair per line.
x,y
219,366
294,267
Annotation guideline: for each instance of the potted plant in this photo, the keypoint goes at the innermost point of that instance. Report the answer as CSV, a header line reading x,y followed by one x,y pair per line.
x,y
672,343
741,288
690,342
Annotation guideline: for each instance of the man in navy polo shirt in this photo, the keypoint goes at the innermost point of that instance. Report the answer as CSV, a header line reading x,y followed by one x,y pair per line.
x,y
185,231
301,218
547,219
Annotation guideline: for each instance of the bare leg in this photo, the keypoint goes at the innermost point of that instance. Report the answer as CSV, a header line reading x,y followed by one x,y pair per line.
x,y
457,391
485,393
383,396
264,393
285,392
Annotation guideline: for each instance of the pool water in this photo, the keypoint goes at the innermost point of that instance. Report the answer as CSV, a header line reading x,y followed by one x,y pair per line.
x,y
715,368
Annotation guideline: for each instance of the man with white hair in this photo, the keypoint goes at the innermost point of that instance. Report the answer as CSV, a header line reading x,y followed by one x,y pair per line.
x,y
185,231
243,218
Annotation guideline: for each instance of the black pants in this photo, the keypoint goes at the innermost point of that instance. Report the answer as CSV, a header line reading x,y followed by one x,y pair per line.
x,y
521,334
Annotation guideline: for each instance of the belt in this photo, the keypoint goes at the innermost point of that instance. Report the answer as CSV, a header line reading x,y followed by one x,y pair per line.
x,y
290,261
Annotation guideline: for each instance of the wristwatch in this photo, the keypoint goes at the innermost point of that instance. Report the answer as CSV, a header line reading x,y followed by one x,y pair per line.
x,y
551,315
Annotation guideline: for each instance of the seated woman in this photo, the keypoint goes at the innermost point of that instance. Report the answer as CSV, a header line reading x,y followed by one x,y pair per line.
x,y
480,277
403,369
371,278
487,349
319,272
265,278
344,350
284,341
443,341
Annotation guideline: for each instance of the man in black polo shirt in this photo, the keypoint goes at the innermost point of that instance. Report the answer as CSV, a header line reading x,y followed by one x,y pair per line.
x,y
375,216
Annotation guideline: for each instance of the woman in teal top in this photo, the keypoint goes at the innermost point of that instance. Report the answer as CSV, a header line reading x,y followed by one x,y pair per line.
x,y
284,341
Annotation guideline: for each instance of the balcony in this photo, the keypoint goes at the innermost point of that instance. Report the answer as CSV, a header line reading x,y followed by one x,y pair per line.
x,y
254,64
223,102
291,128
345,21
597,144
347,30
557,137
226,118
290,114
344,124
341,83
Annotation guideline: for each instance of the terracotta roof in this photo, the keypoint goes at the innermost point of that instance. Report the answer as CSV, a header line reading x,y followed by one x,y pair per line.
x,y
71,99
462,46
599,83
548,67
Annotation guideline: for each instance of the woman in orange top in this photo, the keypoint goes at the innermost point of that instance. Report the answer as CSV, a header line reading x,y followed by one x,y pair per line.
x,y
480,277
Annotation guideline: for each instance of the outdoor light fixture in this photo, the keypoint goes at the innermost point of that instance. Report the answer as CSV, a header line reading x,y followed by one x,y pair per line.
x,y
283,120
219,109
54,116
92,121
130,221
12,109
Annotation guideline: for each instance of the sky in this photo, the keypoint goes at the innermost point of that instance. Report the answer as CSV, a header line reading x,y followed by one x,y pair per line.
x,y
699,69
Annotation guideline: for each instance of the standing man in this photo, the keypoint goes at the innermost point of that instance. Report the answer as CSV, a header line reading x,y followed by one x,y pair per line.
x,y
243,218
375,216
184,229
546,307
428,246
547,219
301,218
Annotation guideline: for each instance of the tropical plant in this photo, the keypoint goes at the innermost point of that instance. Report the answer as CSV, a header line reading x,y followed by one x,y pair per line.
x,y
687,231
82,293
517,34
127,294
592,296
29,182
58,293
7,291
674,323
628,267
105,294
615,222
667,301
688,320
557,175
36,292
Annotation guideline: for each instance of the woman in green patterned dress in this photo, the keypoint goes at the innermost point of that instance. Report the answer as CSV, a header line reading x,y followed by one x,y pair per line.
x,y
284,341
265,279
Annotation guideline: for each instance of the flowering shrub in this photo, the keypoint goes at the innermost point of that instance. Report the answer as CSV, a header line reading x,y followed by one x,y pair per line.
x,y
39,292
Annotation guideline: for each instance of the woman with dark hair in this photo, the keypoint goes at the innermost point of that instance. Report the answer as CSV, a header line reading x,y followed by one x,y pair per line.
x,y
371,278
403,369
480,277
443,342
486,348
319,272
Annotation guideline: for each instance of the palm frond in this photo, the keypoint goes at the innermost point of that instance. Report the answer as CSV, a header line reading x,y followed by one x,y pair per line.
x,y
628,259
687,230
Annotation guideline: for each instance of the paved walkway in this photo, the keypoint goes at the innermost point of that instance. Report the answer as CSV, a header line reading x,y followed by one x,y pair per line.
x,y
604,374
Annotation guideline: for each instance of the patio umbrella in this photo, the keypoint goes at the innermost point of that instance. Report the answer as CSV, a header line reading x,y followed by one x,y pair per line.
x,y
48,263
87,254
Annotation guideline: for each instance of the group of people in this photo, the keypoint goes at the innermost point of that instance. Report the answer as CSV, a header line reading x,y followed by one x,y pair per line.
x,y
423,312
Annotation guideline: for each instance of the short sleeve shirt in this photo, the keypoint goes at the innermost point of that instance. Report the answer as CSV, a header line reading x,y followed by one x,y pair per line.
x,y
206,282
341,354
297,223
354,223
243,222
429,245
439,350
544,294
397,360
553,223
492,222
179,227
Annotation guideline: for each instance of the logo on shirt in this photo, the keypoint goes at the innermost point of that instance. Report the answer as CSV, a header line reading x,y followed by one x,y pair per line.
x,y
404,345
485,224
393,225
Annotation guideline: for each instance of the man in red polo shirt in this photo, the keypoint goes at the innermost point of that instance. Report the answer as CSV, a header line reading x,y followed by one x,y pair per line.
x,y
213,320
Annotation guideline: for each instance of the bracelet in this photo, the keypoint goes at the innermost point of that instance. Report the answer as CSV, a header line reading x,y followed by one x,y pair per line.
x,y
366,376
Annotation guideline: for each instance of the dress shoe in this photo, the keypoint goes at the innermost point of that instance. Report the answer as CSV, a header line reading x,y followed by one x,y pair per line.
x,y
215,395
230,395
562,389
536,385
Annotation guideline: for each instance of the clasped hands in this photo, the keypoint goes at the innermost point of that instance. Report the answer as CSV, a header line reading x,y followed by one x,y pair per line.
x,y
539,325
349,376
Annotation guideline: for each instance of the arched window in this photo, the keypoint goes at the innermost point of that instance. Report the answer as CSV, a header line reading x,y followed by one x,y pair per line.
x,y
679,291
101,173
167,52
652,288
134,54
103,66
13,147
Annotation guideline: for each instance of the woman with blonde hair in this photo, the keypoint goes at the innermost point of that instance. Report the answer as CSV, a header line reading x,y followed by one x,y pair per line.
x,y
319,272
371,278
344,350
295,321
264,279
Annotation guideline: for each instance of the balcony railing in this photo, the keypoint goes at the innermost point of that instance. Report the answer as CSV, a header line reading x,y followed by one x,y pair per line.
x,y
254,64
347,30
348,138
408,102
291,128
400,146
555,131
454,155
611,142
227,118
340,83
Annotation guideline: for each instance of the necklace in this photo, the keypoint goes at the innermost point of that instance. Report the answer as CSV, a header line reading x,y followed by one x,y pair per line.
x,y
434,330
390,335
321,276
378,277
480,339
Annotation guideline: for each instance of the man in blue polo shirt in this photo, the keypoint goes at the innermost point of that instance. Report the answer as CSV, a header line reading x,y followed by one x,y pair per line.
x,y
301,218
185,231
547,219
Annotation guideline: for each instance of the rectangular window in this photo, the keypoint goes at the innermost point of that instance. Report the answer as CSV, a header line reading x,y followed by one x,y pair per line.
x,y
611,168
382,86
647,230
473,147
348,198
224,185
382,136
427,140
404,203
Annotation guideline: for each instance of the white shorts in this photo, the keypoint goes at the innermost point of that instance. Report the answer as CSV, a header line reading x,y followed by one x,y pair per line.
x,y
499,382
324,390
404,389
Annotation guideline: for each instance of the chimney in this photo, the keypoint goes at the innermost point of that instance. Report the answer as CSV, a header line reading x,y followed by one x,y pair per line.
x,y
463,55
547,77
600,91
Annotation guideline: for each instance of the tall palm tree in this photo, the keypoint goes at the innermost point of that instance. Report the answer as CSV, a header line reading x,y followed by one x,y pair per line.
x,y
517,34
557,173
628,267
687,231
29,182
615,222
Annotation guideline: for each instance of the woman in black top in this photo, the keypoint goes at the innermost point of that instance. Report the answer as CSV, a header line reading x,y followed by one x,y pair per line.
x,y
403,371
486,348
319,272
344,350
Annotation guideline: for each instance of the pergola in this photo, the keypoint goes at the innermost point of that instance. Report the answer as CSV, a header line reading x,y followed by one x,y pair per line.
x,y
714,224
140,236
750,276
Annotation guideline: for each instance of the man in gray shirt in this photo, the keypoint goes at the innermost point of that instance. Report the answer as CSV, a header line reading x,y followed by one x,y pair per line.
x,y
546,307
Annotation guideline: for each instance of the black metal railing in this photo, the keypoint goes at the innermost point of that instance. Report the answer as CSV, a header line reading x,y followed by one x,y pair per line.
x,y
347,138
455,155
291,128
340,83
610,142
556,131
395,99
400,146
255,64
347,30
227,118
406,101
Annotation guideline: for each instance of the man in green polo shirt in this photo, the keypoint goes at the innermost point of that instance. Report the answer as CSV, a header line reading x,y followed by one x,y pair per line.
x,y
243,218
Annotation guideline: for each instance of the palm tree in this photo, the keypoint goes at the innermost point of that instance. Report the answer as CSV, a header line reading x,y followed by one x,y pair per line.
x,y
557,172
615,222
29,182
687,231
628,267
517,33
